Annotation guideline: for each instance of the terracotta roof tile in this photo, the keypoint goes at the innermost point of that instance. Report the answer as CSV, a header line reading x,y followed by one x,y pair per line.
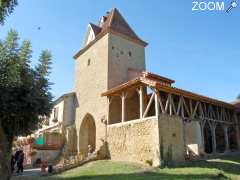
x,y
116,24
96,29
115,21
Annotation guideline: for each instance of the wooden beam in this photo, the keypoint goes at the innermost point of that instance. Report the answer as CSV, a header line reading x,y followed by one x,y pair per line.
x,y
141,101
186,107
195,109
191,107
179,105
160,101
149,104
123,97
173,105
109,100
156,104
201,110
167,103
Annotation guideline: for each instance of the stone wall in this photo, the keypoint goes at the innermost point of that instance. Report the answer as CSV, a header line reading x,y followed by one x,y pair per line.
x,y
194,138
171,137
133,140
105,64
123,54
143,140
46,155
90,82
69,110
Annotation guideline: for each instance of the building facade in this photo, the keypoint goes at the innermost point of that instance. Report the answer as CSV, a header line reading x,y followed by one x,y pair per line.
x,y
138,116
55,138
142,116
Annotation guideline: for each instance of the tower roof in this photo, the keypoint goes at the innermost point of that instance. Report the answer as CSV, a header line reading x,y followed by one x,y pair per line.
x,y
113,22
95,29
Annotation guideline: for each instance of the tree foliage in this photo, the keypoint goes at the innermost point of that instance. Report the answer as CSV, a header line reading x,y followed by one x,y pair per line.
x,y
6,8
238,97
24,91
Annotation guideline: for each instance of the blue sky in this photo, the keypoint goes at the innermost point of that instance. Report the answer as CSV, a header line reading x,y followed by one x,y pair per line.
x,y
198,49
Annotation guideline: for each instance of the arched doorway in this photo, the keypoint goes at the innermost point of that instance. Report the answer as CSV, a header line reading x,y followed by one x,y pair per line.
x,y
87,136
207,138
220,138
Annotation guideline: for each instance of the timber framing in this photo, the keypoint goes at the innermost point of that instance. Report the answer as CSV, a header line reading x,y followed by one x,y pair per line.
x,y
174,101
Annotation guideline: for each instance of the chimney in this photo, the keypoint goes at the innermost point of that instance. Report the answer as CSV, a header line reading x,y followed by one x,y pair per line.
x,y
102,21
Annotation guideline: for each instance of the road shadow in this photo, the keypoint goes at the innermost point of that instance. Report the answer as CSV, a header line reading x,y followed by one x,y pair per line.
x,y
143,176
229,165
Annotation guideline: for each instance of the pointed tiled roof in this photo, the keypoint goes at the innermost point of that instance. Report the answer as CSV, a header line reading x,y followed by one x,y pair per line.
x,y
115,21
96,29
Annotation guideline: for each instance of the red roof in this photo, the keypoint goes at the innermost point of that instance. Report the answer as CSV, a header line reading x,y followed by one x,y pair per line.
x,y
115,21
236,103
116,24
95,29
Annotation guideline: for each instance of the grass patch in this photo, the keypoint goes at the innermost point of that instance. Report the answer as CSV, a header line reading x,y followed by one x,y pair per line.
x,y
224,168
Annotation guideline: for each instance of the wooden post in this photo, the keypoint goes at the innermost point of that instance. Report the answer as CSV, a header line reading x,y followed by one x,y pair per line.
x,y
214,144
156,104
123,97
109,100
148,106
202,124
184,136
225,127
141,102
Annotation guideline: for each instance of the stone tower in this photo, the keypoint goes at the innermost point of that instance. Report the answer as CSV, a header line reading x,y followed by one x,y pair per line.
x,y
109,51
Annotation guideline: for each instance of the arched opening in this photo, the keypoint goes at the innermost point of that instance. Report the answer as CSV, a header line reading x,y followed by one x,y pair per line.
x,y
87,136
232,138
220,138
207,138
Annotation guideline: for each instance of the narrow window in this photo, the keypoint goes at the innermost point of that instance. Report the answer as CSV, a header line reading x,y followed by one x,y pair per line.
x,y
55,114
112,47
89,62
130,54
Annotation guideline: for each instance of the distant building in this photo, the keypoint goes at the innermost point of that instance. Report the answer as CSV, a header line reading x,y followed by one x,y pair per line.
x,y
56,135
236,103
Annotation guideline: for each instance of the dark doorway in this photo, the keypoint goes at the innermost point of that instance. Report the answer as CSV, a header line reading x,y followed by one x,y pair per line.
x,y
207,138
87,135
220,138
232,138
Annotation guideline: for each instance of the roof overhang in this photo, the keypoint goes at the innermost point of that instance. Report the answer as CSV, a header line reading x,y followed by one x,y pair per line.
x,y
168,89
61,98
102,34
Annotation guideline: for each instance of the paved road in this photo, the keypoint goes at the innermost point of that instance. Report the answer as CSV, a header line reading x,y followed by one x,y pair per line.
x,y
30,172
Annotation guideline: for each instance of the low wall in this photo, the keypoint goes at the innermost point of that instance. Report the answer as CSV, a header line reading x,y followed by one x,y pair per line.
x,y
46,155
133,140
147,140
171,138
194,138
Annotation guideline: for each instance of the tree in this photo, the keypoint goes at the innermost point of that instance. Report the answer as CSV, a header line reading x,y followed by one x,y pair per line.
x,y
238,97
24,94
6,8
